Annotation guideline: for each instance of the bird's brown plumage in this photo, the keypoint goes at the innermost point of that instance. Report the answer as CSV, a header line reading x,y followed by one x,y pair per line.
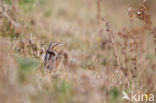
x,y
53,56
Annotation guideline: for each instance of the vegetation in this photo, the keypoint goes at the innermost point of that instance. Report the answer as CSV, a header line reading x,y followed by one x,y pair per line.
x,y
109,47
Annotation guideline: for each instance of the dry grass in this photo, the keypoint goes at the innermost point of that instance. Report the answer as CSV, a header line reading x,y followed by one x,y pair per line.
x,y
103,56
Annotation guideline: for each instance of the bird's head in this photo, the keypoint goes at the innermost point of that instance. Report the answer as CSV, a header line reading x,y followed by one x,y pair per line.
x,y
54,47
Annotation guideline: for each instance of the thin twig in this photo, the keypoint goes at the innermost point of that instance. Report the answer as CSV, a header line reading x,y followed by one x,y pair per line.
x,y
98,10
113,43
114,47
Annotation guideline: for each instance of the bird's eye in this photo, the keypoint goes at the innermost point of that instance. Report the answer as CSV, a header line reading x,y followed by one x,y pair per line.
x,y
48,66
53,53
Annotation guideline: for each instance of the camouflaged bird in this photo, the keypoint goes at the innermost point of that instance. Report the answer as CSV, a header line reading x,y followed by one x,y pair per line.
x,y
53,56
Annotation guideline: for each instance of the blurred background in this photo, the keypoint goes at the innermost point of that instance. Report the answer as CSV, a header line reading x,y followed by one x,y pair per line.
x,y
93,73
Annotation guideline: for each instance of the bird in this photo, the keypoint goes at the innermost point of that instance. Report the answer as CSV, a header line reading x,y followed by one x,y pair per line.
x,y
53,56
